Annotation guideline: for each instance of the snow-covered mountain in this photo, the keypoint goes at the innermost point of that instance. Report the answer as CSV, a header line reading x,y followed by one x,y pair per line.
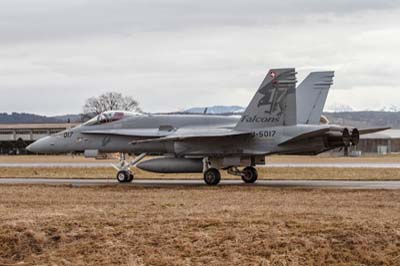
x,y
218,109
338,108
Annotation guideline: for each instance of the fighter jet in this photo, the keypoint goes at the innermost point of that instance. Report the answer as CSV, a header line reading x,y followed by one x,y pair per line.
x,y
273,123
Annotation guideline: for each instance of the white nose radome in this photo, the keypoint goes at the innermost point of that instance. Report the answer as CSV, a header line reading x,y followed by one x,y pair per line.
x,y
42,145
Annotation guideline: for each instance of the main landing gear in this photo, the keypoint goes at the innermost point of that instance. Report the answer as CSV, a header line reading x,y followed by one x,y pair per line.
x,y
125,175
249,175
212,175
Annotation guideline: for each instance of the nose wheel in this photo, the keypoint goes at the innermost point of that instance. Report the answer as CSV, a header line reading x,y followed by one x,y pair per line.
x,y
125,176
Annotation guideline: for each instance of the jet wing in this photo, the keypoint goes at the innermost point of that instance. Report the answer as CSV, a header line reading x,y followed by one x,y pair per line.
x,y
372,130
142,132
194,134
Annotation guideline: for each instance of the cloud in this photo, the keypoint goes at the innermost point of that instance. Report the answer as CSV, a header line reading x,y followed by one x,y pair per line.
x,y
23,20
175,54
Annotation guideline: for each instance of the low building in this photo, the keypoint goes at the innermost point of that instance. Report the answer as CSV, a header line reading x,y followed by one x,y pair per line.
x,y
14,138
387,141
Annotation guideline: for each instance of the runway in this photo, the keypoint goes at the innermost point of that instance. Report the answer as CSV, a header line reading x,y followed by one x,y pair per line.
x,y
339,184
271,165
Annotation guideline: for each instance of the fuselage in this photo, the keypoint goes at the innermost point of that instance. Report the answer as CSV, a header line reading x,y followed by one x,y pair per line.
x,y
207,143
263,141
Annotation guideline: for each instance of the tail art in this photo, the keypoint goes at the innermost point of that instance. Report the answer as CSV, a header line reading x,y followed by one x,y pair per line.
x,y
274,103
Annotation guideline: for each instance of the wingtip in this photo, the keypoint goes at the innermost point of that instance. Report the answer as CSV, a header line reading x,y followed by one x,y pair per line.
x,y
373,130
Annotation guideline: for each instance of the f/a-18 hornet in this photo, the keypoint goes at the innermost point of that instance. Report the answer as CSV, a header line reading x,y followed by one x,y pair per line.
x,y
271,124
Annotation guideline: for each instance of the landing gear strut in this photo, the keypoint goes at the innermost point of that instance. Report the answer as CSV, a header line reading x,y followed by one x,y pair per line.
x,y
212,175
125,174
249,174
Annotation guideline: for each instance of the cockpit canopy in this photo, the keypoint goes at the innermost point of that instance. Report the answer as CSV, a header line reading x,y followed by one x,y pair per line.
x,y
108,117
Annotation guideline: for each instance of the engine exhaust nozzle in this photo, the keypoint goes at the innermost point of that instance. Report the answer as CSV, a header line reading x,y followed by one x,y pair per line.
x,y
355,137
346,137
339,139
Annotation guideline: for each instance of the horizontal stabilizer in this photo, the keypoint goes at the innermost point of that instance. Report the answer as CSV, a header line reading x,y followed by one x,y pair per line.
x,y
372,130
195,134
307,135
327,130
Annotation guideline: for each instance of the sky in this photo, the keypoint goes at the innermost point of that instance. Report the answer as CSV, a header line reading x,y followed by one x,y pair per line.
x,y
174,54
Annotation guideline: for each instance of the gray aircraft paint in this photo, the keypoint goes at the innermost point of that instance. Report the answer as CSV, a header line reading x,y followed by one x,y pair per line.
x,y
311,97
149,126
274,104
268,126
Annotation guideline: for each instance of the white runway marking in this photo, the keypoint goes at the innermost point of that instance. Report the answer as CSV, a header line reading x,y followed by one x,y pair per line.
x,y
168,183
335,165
273,165
54,165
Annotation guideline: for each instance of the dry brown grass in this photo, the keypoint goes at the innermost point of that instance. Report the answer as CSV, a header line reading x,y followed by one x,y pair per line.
x,y
265,173
44,225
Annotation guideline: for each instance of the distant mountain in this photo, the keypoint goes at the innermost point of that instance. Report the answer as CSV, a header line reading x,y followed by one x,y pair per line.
x,y
361,119
25,118
218,109
71,117
338,108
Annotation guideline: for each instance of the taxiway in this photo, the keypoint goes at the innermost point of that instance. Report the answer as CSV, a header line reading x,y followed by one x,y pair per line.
x,y
340,184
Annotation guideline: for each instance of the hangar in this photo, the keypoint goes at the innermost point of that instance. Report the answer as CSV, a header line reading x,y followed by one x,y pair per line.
x,y
384,142
15,137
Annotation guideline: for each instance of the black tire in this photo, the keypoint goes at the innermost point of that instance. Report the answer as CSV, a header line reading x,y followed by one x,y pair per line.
x,y
131,177
212,177
123,176
249,175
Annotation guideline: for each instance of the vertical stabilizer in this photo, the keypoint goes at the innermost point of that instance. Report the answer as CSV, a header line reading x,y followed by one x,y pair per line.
x,y
311,97
274,103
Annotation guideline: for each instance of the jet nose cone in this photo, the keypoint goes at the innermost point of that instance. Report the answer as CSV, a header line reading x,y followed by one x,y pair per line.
x,y
35,147
40,146
29,148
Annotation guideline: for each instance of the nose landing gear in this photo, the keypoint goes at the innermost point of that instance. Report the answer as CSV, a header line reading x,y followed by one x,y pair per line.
x,y
125,174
